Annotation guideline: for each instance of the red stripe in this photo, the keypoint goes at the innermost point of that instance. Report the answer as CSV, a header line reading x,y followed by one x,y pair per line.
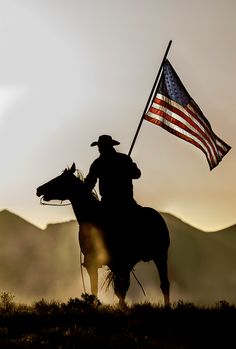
x,y
222,144
211,142
184,127
219,143
199,116
180,135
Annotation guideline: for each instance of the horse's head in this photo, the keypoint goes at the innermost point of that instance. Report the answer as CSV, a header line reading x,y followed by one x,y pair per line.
x,y
60,187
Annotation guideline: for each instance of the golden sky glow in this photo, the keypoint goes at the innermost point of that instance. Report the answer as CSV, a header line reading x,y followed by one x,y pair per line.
x,y
72,70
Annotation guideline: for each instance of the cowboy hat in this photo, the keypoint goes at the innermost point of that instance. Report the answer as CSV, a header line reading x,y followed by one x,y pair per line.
x,y
105,140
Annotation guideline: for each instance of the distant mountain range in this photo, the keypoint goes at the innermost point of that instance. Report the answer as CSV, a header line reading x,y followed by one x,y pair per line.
x,y
36,263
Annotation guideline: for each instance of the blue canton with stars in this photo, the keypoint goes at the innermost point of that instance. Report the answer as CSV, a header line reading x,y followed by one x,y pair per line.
x,y
172,87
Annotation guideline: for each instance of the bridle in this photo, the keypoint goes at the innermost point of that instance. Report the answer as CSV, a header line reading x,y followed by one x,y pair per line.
x,y
81,263
47,204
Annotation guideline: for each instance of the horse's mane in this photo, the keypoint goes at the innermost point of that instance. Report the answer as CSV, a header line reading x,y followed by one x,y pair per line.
x,y
80,176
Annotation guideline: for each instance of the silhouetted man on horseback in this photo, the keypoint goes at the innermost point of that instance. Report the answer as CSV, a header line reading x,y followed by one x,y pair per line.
x,y
115,172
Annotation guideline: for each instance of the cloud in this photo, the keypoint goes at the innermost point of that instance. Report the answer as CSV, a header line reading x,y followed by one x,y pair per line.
x,y
9,95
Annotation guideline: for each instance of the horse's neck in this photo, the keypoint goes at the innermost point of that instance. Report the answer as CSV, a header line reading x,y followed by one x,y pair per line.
x,y
83,207
77,212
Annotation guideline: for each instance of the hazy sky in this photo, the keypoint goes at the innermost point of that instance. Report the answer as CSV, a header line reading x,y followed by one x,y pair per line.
x,y
71,70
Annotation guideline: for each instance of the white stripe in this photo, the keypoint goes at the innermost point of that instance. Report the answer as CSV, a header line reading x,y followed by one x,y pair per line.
x,y
180,130
184,111
175,127
206,126
221,145
179,118
217,141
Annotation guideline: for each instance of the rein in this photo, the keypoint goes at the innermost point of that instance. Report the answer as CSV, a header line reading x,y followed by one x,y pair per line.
x,y
61,204
47,204
138,282
95,194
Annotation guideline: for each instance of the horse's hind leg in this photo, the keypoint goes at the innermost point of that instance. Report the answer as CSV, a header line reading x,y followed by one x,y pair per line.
x,y
161,264
121,285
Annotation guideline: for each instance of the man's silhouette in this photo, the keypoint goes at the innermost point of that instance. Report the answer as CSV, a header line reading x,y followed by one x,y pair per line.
x,y
115,172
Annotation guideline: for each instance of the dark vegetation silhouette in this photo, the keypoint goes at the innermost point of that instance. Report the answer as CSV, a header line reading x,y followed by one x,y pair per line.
x,y
119,244
86,323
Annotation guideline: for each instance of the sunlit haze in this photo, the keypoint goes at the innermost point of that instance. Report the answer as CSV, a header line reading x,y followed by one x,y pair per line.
x,y
73,70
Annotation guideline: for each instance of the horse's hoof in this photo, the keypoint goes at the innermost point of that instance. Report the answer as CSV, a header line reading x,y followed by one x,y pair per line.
x,y
122,306
167,301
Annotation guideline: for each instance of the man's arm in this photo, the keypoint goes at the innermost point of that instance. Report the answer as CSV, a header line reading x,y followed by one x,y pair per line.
x,y
91,178
136,173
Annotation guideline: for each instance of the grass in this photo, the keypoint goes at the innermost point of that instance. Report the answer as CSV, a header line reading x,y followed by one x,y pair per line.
x,y
86,323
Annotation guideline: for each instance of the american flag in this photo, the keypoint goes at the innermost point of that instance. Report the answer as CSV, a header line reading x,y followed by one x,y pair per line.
x,y
175,110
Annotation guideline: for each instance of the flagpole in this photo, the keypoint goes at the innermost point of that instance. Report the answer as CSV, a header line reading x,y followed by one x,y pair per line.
x,y
151,94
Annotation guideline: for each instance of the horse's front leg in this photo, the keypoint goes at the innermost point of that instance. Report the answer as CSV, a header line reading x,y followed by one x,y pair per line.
x,y
92,269
94,251
93,275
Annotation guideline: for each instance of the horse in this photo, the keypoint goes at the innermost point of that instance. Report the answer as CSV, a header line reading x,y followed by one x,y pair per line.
x,y
118,241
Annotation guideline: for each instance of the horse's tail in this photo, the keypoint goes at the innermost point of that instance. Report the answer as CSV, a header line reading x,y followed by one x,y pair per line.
x,y
109,279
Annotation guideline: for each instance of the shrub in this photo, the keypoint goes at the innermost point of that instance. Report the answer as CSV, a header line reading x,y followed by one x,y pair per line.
x,y
7,304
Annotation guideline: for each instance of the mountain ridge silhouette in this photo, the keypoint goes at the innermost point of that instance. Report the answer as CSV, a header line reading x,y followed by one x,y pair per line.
x,y
45,263
9,213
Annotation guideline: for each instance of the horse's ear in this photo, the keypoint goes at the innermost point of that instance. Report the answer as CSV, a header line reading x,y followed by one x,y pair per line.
x,y
72,169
